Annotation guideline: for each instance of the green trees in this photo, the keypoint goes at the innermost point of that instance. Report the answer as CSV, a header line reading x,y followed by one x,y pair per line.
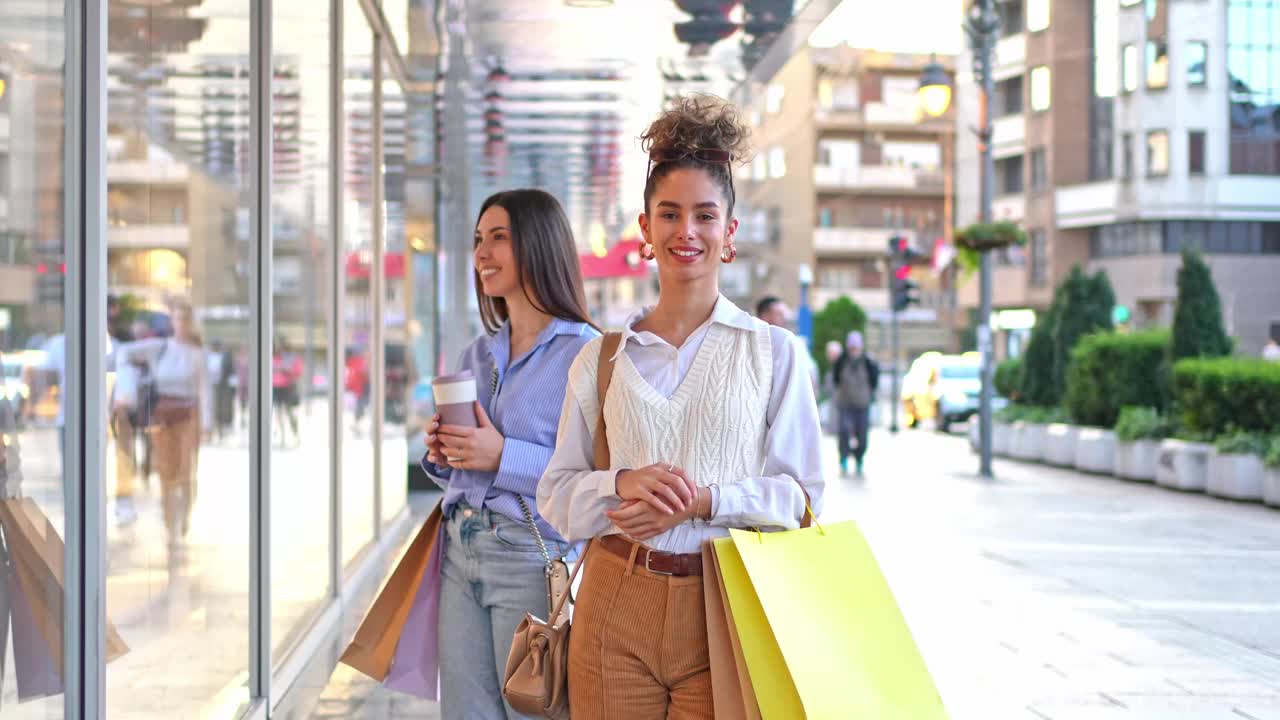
x,y
1197,318
834,322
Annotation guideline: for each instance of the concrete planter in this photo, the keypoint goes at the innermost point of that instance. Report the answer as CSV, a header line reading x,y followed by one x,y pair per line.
x,y
1095,450
1235,476
1060,444
1137,460
1028,441
1183,465
1271,487
1001,437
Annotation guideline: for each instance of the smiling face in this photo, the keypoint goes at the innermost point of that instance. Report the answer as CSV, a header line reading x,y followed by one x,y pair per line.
x,y
688,225
494,256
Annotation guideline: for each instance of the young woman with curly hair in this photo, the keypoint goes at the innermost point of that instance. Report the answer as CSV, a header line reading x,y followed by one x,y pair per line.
x,y
711,424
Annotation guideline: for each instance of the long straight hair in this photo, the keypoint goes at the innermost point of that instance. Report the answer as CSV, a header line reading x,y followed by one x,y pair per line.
x,y
546,259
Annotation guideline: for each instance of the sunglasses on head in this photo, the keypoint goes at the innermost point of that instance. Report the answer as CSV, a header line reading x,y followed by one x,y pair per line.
x,y
714,156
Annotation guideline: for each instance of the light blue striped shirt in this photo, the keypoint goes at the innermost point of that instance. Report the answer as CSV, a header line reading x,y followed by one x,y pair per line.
x,y
531,391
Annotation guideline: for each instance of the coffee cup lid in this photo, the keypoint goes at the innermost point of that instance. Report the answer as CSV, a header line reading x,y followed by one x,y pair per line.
x,y
460,376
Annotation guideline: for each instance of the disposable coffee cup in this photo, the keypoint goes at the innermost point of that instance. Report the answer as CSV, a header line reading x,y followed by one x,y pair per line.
x,y
456,398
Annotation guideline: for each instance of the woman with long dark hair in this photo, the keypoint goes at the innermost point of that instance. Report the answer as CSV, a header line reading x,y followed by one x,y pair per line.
x,y
529,288
711,425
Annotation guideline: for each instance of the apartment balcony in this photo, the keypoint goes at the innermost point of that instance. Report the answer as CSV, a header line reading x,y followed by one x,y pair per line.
x,y
145,172
1009,136
869,299
1009,207
149,237
879,116
879,179
840,241
1087,204
1011,56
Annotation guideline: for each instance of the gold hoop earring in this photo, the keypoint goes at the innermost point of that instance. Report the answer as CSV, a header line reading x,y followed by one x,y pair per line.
x,y
728,254
646,251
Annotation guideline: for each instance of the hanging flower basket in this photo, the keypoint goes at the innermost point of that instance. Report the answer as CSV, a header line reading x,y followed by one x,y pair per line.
x,y
990,236
978,238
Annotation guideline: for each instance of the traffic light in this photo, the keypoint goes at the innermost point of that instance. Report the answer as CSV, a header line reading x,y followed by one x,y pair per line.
x,y
903,292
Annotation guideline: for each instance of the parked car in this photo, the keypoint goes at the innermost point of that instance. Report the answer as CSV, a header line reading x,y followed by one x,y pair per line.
x,y
943,388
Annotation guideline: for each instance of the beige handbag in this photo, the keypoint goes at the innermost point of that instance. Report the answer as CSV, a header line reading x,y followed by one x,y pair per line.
x,y
537,673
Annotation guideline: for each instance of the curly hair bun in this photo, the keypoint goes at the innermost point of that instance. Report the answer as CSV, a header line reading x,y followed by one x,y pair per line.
x,y
700,121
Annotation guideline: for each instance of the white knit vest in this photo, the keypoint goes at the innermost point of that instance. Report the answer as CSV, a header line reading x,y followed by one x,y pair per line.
x,y
713,426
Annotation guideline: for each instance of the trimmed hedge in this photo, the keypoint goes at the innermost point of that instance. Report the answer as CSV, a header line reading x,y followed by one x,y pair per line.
x,y
1218,395
1141,423
1009,378
1111,370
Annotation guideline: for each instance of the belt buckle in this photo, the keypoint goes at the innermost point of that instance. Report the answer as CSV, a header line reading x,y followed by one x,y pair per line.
x,y
648,553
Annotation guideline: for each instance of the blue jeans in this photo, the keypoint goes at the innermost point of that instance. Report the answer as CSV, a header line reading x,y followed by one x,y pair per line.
x,y
492,574
852,433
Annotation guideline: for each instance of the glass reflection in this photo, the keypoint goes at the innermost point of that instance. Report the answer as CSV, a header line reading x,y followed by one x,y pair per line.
x,y
1197,58
398,369
357,266
32,356
1253,74
178,267
303,245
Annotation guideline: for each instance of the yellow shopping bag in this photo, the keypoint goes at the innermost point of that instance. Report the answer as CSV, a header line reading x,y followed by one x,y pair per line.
x,y
819,628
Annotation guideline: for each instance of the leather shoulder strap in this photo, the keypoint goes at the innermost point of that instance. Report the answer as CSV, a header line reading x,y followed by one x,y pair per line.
x,y
604,375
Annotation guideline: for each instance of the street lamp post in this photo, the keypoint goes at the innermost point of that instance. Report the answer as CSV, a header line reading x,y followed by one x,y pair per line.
x,y
935,94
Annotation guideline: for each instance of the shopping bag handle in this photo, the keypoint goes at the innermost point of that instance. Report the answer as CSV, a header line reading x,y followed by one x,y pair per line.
x,y
809,519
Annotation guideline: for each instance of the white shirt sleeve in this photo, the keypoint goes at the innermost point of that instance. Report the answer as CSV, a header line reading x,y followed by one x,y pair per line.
x,y
573,496
793,457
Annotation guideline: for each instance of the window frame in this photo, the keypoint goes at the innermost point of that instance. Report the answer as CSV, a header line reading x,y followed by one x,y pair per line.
x,y
1150,169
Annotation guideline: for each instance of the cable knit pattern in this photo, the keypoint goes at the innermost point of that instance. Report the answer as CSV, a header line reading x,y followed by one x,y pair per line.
x,y
713,426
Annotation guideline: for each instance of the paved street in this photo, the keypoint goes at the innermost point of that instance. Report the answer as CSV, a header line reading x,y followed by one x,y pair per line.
x,y
1047,593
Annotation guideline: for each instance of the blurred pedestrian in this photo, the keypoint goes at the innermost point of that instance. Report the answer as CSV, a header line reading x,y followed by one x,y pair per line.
x,y
1271,351
774,311
179,367
856,378
357,386
286,376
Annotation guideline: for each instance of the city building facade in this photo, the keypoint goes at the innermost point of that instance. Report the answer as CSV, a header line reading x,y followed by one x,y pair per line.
x,y
845,160
1125,134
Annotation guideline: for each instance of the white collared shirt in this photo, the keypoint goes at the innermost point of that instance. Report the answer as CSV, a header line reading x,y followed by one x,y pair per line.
x,y
573,497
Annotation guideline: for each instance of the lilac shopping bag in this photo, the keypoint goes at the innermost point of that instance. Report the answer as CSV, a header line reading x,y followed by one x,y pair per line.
x,y
33,664
415,668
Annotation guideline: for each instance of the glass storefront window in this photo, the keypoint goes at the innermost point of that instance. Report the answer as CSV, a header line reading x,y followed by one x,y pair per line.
x,y
32,346
356,248
395,327
178,253
303,243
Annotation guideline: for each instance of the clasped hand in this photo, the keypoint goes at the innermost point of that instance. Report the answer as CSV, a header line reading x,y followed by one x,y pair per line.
x,y
655,499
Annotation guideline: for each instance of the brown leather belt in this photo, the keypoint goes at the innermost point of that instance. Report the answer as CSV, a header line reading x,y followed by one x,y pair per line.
x,y
660,563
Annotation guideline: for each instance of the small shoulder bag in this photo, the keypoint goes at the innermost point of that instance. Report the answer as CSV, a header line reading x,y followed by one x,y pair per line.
x,y
536,680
